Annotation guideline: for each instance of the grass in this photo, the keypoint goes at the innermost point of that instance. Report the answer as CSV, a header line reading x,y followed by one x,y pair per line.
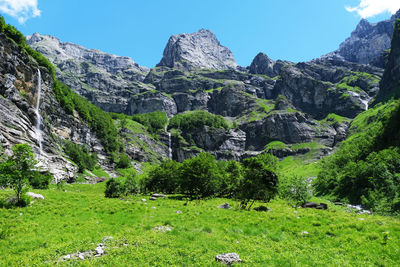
x,y
296,166
78,219
99,172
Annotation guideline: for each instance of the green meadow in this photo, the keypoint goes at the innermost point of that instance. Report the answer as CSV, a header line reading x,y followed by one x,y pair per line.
x,y
78,218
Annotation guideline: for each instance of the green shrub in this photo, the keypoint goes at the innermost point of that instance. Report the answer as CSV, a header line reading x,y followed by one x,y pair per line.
x,y
131,186
123,162
295,188
114,188
154,121
40,180
164,178
80,155
194,120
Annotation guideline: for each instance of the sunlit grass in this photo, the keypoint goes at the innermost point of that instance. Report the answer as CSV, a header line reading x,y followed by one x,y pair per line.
x,y
78,219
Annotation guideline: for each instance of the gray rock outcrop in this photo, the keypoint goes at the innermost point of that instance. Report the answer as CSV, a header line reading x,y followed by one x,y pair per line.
x,y
199,50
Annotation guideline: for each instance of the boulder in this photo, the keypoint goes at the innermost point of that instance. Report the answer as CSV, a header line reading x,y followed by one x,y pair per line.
x,y
33,195
228,258
309,205
225,206
158,195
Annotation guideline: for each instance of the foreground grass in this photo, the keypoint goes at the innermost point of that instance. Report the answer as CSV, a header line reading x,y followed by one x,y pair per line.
x,y
77,220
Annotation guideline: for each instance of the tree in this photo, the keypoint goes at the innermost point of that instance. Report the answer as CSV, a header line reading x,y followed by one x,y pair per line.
x,y
16,170
259,182
164,178
295,188
199,176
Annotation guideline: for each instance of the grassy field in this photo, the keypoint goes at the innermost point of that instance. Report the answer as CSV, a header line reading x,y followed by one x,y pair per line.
x,y
78,219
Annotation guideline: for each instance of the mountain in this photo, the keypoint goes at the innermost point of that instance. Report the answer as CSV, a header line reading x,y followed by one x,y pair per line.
x,y
367,43
269,101
199,50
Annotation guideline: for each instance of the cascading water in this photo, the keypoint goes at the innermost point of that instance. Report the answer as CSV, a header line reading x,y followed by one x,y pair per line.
x,y
38,117
169,146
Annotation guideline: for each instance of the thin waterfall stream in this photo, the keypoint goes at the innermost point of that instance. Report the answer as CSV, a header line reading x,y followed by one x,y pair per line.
x,y
169,146
38,116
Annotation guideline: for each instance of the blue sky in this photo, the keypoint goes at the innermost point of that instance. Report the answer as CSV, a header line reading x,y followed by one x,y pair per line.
x,y
295,30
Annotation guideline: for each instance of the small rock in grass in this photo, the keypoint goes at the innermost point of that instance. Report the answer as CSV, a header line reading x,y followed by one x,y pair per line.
x,y
153,198
304,233
38,196
225,206
99,250
295,211
228,258
179,211
153,208
20,214
158,195
163,228
144,200
309,205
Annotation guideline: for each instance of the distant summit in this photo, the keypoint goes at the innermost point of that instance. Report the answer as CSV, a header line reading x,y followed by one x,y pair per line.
x,y
199,50
366,43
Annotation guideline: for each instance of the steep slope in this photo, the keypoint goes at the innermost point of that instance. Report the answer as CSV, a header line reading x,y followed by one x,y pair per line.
x,y
390,83
199,50
367,43
366,167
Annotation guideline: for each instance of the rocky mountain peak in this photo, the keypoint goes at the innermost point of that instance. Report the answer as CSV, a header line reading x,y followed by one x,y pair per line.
x,y
366,43
262,64
199,50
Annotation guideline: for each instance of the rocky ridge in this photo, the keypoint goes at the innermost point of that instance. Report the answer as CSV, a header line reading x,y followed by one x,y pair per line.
x,y
195,74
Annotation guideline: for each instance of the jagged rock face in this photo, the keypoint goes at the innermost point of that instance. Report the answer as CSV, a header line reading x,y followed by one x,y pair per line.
x,y
197,51
366,43
262,64
224,144
105,79
149,102
317,87
288,127
231,101
18,94
390,83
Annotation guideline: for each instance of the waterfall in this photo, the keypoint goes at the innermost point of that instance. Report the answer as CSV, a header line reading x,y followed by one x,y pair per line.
x,y
365,103
38,117
169,146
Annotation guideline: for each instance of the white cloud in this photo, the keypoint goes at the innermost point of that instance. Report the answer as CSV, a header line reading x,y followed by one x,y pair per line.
x,y
22,10
371,8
